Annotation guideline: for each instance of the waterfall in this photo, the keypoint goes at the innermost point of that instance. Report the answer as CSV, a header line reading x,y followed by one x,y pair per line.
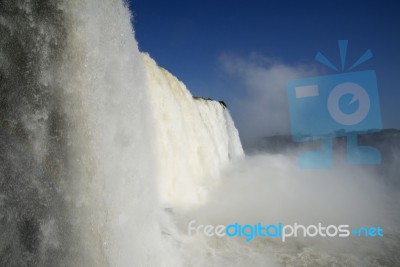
x,y
194,138
105,158
96,140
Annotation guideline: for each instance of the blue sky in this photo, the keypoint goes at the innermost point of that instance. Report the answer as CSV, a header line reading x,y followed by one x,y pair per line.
x,y
192,39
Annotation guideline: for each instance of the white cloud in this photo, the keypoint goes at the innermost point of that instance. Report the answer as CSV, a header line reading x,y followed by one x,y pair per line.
x,y
263,111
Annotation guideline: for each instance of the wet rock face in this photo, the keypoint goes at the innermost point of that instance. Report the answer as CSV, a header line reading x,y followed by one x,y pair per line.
x,y
23,205
31,208
33,226
28,229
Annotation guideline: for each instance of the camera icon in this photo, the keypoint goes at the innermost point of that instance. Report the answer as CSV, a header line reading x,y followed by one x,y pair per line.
x,y
325,107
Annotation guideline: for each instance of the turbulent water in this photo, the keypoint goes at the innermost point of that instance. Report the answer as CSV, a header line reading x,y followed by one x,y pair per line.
x,y
105,157
194,138
78,184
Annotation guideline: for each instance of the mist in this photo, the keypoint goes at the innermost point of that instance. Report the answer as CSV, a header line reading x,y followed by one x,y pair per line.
x,y
268,189
267,186
263,109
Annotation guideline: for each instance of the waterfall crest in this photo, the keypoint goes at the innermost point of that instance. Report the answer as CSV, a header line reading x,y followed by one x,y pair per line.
x,y
194,138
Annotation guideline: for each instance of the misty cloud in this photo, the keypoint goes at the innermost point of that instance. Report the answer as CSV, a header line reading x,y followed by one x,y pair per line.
x,y
263,111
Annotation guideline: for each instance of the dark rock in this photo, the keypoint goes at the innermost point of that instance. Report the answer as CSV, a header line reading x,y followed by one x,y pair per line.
x,y
210,99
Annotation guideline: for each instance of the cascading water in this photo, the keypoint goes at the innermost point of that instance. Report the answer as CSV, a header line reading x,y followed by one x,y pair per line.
x,y
90,146
74,99
194,138
105,158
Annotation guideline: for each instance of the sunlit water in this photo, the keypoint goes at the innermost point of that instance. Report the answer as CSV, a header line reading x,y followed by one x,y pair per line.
x,y
105,158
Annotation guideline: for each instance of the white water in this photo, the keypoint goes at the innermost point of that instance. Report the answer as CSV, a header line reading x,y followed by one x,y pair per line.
x,y
97,141
194,139
117,146
83,108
